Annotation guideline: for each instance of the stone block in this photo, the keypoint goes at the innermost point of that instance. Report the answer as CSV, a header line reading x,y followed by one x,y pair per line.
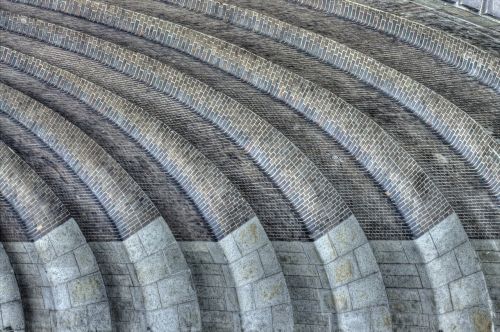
x,y
66,237
366,260
86,290
216,253
347,236
163,320
443,270
358,320
74,319
467,258
287,246
295,258
325,249
300,270
174,259
271,291
421,250
248,269
390,257
45,249
342,299
386,245
231,250
189,316
251,236
312,253
134,248
151,297
342,270
155,236
61,297
12,315
152,268
448,234
269,260
282,316
398,269
469,291
367,292
99,317
62,269
85,260
380,319
245,297
402,294
257,320
176,289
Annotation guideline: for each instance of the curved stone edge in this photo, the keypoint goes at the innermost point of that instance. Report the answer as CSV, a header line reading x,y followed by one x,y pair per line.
x,y
261,288
76,284
436,282
11,308
385,160
220,203
317,201
473,143
488,252
79,295
478,63
86,158
359,294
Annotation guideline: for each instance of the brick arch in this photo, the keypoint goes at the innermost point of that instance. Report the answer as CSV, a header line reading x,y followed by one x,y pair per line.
x,y
124,202
62,254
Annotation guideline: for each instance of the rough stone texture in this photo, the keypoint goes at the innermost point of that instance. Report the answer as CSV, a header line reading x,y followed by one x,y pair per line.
x,y
331,113
261,287
430,106
359,295
214,284
164,278
436,282
480,64
84,156
11,309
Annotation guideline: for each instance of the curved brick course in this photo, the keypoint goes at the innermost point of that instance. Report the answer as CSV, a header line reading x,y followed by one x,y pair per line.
x,y
221,204
416,196
482,65
479,148
124,201
317,202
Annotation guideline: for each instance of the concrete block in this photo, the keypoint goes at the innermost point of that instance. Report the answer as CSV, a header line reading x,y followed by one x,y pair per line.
x,y
347,236
269,260
247,269
366,260
325,249
367,292
155,236
421,250
448,234
271,291
85,260
176,289
62,269
12,315
467,258
469,291
66,237
86,290
443,270
342,270
251,236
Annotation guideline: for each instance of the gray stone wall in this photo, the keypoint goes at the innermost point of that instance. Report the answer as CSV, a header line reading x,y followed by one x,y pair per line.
x,y
488,252
478,63
387,162
442,115
107,180
261,288
11,309
435,282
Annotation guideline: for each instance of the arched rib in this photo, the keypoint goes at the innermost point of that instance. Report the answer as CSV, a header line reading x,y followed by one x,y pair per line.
x,y
103,101
124,201
478,63
479,148
67,260
417,198
11,308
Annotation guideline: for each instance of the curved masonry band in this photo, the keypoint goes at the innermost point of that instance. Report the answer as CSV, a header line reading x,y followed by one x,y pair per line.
x,y
62,254
413,192
476,62
221,204
11,308
106,178
475,144
317,202
81,88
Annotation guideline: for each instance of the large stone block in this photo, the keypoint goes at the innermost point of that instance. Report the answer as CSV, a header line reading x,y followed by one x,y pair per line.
x,y
66,237
271,291
366,260
155,236
421,250
248,269
163,320
342,270
62,269
251,236
12,315
86,290
467,258
367,292
443,270
257,320
469,291
152,268
86,260
448,234
231,250
347,236
176,289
